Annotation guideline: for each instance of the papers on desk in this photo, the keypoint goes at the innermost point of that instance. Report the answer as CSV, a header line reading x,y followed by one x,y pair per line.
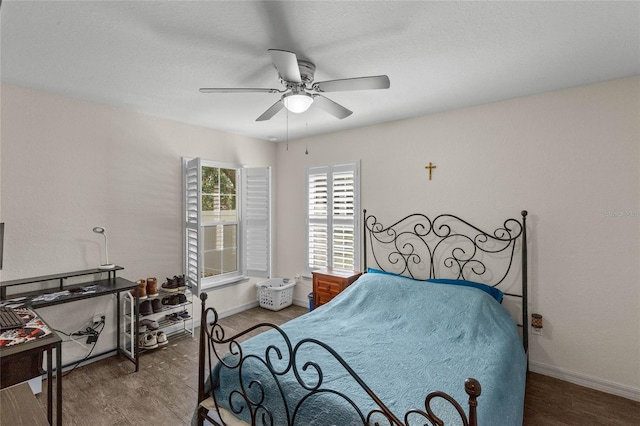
x,y
34,328
18,302
50,296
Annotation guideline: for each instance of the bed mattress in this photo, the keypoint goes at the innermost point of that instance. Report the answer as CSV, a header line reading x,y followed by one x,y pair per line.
x,y
404,338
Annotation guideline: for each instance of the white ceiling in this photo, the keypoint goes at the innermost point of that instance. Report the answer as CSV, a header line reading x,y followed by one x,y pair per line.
x,y
153,56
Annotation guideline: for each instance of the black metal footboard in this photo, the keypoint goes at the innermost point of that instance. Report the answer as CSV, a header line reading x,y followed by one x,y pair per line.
x,y
283,360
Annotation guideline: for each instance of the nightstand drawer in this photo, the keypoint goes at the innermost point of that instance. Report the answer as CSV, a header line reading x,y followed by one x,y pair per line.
x,y
321,298
328,283
328,287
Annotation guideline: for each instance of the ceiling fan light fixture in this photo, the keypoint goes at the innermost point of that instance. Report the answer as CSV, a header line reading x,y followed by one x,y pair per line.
x,y
297,101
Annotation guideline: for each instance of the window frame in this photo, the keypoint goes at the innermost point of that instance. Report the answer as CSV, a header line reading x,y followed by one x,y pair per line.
x,y
331,170
238,273
193,235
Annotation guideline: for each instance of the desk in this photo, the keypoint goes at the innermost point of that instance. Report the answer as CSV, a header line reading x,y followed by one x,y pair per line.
x,y
17,365
24,361
101,287
20,407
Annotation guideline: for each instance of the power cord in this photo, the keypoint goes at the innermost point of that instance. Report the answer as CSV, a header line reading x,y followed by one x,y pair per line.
x,y
72,338
92,334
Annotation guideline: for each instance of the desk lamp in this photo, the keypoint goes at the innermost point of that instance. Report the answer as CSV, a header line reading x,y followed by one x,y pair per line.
x,y
106,265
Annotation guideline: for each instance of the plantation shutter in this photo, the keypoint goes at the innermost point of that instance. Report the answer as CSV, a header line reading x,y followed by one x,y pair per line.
x,y
318,231
344,217
192,207
332,216
257,219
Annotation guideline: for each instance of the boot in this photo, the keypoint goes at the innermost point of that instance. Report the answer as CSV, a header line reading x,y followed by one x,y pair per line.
x,y
152,287
142,289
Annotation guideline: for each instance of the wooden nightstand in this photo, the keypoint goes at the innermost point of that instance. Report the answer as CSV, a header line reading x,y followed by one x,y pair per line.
x,y
328,282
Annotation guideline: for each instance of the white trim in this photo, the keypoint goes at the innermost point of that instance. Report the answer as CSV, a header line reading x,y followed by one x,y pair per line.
x,y
304,303
220,165
197,309
586,381
215,285
223,314
238,309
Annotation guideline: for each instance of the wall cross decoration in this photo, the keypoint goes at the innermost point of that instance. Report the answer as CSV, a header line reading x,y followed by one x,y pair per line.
x,y
430,167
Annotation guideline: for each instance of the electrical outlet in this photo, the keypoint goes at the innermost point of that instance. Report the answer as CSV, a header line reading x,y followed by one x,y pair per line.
x,y
97,319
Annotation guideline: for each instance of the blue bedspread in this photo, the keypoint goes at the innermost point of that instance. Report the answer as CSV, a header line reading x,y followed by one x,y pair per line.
x,y
405,339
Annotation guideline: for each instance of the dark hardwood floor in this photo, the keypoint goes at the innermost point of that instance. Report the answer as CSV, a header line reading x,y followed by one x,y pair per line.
x,y
163,392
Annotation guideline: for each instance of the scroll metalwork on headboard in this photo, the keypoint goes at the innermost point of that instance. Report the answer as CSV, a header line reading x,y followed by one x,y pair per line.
x,y
443,247
449,247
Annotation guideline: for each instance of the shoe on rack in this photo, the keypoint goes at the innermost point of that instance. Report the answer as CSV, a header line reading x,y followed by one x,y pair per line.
x,y
184,315
182,298
180,282
149,324
152,287
148,341
174,299
171,285
156,305
173,317
142,289
161,338
145,308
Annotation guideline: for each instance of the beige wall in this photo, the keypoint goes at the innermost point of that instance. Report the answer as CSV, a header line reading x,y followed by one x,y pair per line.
x,y
569,157
69,165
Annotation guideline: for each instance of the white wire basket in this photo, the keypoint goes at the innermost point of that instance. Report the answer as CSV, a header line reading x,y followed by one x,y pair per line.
x,y
275,293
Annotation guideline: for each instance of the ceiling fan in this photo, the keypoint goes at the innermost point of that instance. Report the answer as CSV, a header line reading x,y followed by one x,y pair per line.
x,y
301,91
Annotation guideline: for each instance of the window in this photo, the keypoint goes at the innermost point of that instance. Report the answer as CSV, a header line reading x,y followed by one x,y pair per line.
x,y
332,206
226,223
219,220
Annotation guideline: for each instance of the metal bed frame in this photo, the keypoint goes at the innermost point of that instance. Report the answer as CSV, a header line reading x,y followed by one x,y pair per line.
x,y
450,247
404,248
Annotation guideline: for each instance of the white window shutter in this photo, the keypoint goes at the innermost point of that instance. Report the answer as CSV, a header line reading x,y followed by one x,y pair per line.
x,y
257,220
318,224
192,201
333,204
344,218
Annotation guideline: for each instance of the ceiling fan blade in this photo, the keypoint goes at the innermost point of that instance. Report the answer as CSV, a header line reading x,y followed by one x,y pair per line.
x,y
287,65
358,83
236,90
331,107
271,111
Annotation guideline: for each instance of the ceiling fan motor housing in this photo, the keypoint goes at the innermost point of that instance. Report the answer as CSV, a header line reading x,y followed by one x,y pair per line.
x,y
307,70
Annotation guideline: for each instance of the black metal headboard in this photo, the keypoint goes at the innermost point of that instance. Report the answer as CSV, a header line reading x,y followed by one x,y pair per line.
x,y
450,247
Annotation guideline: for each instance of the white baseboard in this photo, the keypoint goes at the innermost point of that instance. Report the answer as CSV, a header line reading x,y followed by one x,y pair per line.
x,y
36,385
237,310
586,381
298,302
301,302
